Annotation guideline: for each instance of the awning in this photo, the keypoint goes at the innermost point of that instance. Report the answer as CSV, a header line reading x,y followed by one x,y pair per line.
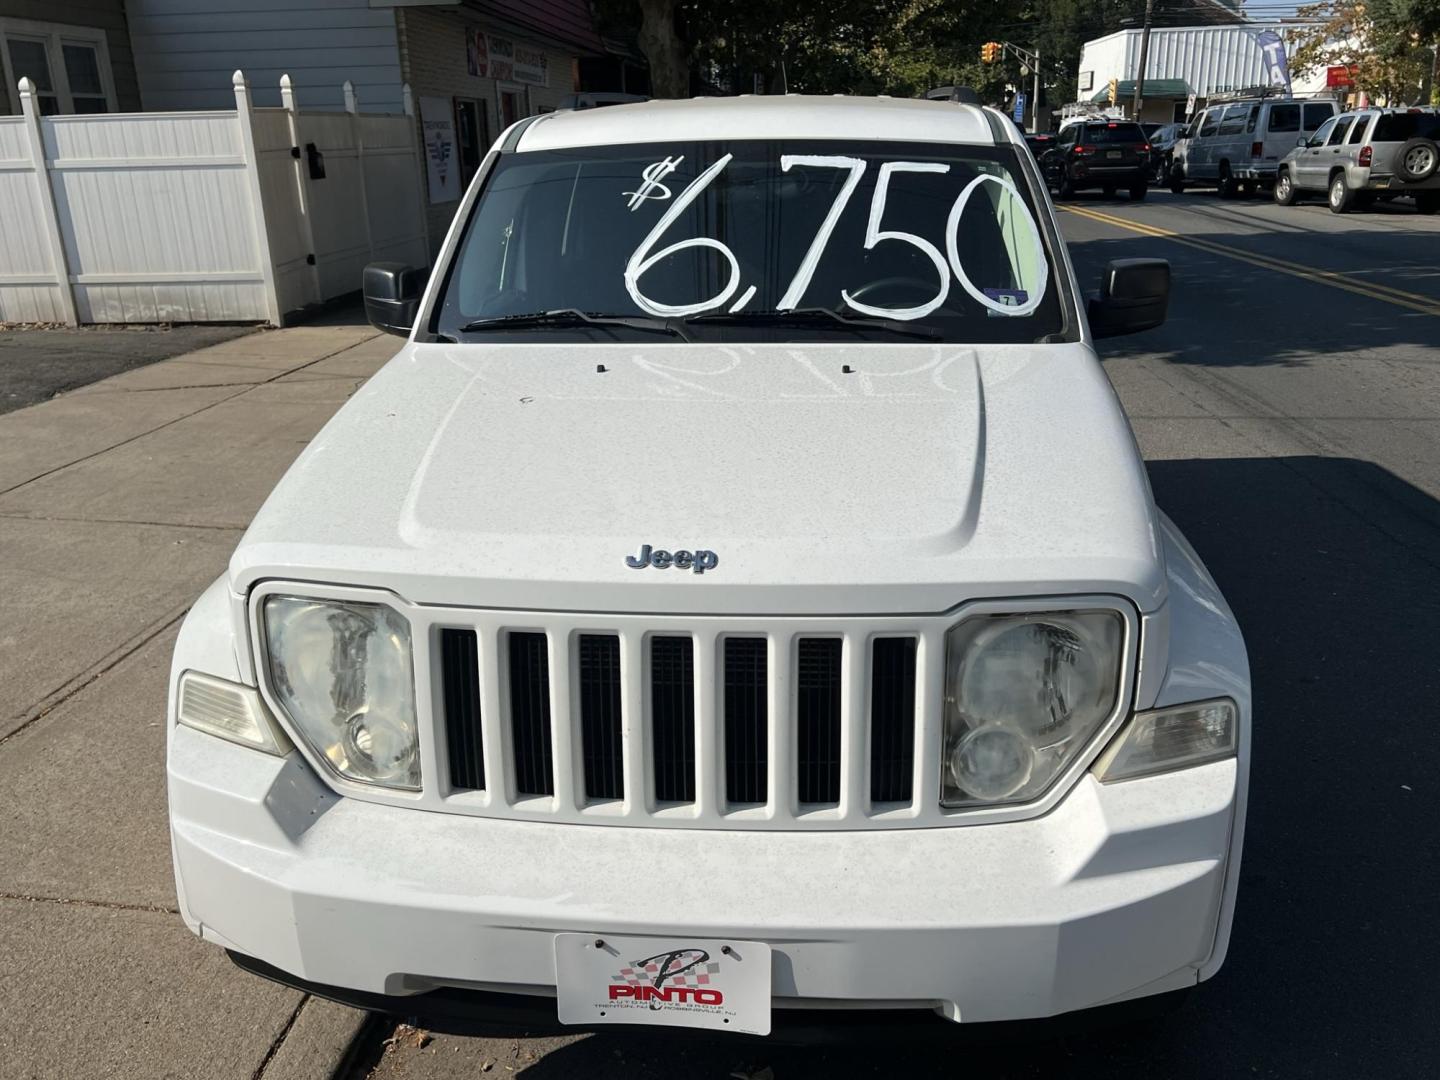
x,y
1154,88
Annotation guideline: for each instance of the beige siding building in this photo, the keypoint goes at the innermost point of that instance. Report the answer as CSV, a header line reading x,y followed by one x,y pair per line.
x,y
493,70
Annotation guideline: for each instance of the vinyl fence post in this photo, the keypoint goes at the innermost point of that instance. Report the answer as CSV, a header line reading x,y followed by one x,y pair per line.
x,y
302,189
245,118
35,140
417,144
352,106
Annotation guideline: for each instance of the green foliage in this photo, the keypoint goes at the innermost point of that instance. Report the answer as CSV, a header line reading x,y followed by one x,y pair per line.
x,y
1388,43
900,47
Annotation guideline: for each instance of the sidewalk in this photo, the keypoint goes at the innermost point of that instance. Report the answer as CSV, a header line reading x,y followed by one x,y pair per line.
x,y
119,503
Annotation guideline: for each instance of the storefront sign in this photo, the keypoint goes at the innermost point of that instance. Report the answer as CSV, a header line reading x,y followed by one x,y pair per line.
x,y
491,56
1342,75
442,164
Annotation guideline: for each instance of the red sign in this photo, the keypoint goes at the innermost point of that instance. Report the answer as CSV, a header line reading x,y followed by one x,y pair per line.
x,y
1341,75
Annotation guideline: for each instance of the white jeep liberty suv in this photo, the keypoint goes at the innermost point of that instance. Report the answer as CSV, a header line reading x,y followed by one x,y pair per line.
x,y
740,597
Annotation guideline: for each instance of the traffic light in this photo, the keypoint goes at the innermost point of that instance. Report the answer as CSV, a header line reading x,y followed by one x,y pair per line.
x,y
1114,91
990,52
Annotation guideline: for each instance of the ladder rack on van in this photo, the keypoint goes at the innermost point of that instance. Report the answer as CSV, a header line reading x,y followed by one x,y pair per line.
x,y
1260,93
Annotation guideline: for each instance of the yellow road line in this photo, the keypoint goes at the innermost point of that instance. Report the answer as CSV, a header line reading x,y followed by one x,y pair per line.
x,y
1278,264
1413,301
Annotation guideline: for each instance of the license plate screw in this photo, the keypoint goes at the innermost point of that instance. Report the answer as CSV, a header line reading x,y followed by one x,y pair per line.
x,y
725,949
599,942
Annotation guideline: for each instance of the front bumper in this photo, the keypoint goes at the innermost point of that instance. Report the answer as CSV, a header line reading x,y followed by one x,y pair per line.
x,y
1116,893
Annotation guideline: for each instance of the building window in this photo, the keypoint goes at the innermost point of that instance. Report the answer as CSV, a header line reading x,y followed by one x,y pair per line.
x,y
513,105
472,135
69,65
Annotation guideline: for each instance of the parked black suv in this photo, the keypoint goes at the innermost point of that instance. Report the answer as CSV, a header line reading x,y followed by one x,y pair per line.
x,y
1104,154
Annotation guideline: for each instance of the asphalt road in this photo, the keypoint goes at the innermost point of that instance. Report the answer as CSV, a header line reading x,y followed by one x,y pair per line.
x,y
1290,413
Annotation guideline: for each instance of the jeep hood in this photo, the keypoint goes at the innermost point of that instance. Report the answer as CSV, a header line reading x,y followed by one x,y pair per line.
x,y
826,478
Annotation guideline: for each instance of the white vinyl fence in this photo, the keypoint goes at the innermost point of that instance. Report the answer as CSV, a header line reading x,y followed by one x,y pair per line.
x,y
225,216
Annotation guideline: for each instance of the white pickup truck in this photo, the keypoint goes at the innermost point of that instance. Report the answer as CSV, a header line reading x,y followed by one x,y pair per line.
x,y
740,599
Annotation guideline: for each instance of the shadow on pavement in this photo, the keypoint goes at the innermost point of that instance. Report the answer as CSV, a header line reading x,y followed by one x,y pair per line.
x,y
37,363
1266,317
1333,568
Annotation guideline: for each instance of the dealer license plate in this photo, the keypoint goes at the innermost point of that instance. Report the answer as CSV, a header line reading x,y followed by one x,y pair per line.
x,y
670,982
1113,153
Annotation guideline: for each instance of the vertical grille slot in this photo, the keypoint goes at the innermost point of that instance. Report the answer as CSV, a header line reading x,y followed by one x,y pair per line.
x,y
746,720
600,716
530,713
460,686
892,719
817,717
672,711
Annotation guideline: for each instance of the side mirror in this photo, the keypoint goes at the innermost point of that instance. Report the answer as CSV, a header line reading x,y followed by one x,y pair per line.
x,y
1302,141
1134,296
392,296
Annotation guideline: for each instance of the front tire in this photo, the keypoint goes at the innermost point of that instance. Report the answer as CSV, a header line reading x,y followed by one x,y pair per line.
x,y
1341,199
1137,191
1285,193
1177,179
1226,187
1427,202
1067,189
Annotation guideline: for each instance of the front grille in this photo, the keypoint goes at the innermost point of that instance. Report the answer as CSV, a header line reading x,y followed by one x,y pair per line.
x,y
460,667
746,720
672,697
530,714
717,726
892,720
817,715
600,733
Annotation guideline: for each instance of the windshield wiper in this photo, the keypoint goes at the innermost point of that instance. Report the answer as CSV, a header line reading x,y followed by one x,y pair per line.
x,y
814,317
573,317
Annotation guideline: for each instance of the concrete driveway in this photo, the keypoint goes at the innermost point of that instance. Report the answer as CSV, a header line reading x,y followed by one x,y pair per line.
x,y
119,503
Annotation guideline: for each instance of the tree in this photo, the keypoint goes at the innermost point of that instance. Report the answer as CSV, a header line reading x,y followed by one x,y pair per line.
x,y
1378,39
899,47
659,40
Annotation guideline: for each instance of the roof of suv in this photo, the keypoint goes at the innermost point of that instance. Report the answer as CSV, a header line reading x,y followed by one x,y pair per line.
x,y
788,116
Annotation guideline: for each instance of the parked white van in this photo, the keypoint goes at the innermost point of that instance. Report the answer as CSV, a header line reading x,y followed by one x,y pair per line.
x,y
1238,144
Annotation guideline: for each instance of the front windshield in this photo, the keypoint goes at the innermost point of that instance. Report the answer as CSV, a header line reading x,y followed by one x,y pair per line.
x,y
720,238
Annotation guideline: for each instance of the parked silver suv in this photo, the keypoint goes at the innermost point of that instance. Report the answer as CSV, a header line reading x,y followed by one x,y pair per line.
x,y
1358,156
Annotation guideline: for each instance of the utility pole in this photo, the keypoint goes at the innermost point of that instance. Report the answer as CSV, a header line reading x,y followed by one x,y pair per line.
x,y
1144,56
1035,103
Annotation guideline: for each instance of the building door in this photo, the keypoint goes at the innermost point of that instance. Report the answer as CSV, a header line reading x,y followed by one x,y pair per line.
x,y
512,105
472,137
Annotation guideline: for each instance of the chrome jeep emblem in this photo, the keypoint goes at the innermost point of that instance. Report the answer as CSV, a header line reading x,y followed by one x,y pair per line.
x,y
696,561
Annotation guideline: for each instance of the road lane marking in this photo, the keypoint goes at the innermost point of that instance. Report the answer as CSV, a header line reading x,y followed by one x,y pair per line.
x,y
1413,301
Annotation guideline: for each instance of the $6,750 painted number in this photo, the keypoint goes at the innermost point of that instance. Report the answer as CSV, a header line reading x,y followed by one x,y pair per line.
x,y
642,259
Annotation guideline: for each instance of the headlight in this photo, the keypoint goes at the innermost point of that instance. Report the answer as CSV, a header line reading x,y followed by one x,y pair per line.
x,y
1171,738
1024,694
342,672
